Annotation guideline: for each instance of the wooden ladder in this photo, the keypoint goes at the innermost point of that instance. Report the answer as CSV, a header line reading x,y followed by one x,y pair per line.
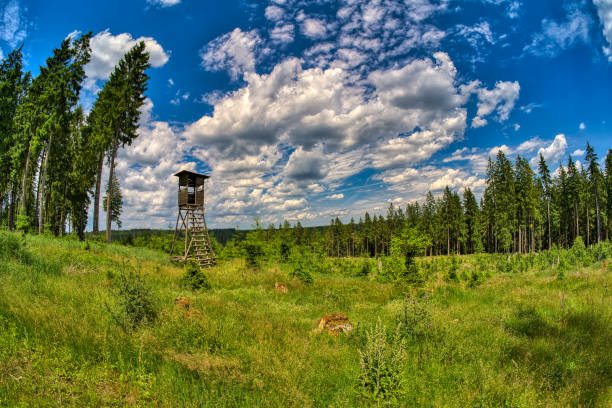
x,y
200,240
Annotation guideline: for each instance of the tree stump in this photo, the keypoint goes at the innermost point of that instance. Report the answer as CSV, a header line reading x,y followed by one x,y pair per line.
x,y
281,287
334,323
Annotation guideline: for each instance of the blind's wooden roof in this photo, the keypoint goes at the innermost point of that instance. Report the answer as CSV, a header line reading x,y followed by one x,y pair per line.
x,y
191,174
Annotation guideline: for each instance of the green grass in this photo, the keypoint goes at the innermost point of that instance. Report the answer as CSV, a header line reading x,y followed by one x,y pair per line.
x,y
517,340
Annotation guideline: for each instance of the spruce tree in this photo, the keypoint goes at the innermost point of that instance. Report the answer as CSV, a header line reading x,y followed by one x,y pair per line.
x,y
608,190
546,183
596,185
116,113
573,196
13,85
472,222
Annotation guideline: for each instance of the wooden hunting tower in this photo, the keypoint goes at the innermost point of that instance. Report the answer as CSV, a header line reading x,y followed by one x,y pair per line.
x,y
191,223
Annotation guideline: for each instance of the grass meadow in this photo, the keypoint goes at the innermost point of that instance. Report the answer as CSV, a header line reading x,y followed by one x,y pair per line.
x,y
526,337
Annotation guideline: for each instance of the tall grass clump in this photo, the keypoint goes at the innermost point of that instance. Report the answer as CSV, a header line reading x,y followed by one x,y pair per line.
x,y
135,301
12,246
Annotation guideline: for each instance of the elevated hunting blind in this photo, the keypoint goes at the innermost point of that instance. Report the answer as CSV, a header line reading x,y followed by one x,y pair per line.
x,y
191,223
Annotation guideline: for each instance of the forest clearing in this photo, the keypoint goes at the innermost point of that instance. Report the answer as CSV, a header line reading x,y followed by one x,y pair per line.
x,y
525,332
292,203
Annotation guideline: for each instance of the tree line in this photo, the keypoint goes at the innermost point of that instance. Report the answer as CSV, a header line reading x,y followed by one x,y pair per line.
x,y
52,152
521,210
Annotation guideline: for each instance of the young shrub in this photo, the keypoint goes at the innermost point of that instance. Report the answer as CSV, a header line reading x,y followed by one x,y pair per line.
x,y
408,245
452,273
253,252
562,268
12,246
23,223
135,299
229,251
303,266
382,365
415,320
476,278
284,252
366,268
194,278
393,269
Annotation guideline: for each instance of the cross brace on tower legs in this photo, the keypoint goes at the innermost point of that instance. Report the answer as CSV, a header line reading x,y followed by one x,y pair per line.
x,y
192,224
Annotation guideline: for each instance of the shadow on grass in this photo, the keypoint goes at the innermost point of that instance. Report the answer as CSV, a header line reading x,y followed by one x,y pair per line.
x,y
568,352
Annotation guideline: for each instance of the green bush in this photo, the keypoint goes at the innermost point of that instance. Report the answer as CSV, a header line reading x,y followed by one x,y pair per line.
x,y
253,252
135,299
285,251
23,222
393,268
303,265
396,269
382,363
475,278
452,273
408,245
230,251
366,268
194,278
12,246
415,320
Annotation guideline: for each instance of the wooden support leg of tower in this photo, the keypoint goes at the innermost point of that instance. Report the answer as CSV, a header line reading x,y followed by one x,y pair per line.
x,y
175,234
197,244
186,235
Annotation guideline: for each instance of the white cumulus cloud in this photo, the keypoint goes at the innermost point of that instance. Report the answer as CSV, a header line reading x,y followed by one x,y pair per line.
x,y
108,49
555,37
234,52
12,23
164,3
604,11
339,196
554,152
500,99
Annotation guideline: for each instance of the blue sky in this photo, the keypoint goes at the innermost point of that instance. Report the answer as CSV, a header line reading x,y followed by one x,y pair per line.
x,y
304,110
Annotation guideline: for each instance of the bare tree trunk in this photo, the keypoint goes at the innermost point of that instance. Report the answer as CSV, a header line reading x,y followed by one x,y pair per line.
x,y
540,237
63,216
577,220
26,172
549,231
11,210
109,194
37,210
588,225
96,214
41,195
598,221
